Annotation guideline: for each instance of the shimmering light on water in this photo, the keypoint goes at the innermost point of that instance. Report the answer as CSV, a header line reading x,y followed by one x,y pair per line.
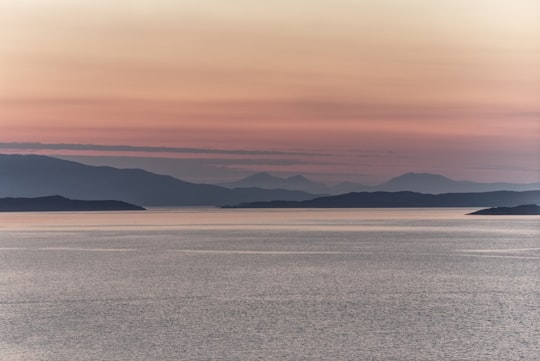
x,y
210,284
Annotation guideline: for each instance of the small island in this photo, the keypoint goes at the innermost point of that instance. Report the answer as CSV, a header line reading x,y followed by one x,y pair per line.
x,y
59,203
522,210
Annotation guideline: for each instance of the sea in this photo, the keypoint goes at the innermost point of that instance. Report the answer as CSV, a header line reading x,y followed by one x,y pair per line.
x,y
278,284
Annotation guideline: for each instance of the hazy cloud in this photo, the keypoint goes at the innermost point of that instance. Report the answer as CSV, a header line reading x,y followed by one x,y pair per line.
x,y
129,148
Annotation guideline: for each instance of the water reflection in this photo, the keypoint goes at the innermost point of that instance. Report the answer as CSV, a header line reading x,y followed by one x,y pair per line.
x,y
205,284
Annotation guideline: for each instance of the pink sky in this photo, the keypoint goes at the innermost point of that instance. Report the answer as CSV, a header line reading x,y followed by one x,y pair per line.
x,y
365,90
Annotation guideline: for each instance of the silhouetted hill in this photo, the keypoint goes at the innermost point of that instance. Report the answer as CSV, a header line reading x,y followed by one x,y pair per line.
x,y
268,181
522,210
407,199
58,203
35,176
434,183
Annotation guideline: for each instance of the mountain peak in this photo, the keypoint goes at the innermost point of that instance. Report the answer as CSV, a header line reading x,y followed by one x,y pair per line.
x,y
412,176
421,182
261,176
297,178
268,181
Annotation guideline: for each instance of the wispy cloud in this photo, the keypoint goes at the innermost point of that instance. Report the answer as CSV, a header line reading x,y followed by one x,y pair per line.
x,y
34,146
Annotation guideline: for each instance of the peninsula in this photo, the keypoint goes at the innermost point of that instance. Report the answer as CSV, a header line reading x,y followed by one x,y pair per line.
x,y
522,210
59,203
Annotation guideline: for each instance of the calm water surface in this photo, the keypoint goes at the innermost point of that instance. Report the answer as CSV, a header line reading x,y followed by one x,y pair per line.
x,y
209,284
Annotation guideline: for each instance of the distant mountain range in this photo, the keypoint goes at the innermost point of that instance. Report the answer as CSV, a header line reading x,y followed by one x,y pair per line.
x,y
414,182
406,200
266,181
37,176
58,203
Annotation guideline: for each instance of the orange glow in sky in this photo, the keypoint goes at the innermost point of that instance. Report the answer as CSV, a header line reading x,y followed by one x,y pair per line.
x,y
364,89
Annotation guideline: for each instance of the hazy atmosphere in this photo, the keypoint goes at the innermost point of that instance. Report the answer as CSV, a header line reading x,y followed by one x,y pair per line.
x,y
269,180
213,90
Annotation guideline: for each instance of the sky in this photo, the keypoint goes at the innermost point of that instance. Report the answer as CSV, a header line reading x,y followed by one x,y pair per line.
x,y
337,90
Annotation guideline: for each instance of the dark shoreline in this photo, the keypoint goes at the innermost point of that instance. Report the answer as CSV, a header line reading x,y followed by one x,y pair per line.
x,y
522,210
406,200
59,203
